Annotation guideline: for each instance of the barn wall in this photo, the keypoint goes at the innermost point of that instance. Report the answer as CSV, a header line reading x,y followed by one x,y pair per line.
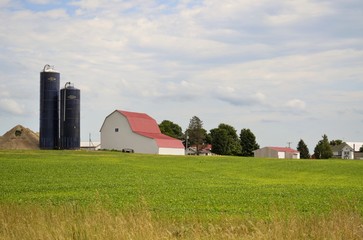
x,y
109,138
172,151
293,155
266,153
281,155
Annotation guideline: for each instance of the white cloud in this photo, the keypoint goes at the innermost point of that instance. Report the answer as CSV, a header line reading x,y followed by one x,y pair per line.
x,y
11,106
296,104
4,2
239,98
259,59
89,4
41,1
291,12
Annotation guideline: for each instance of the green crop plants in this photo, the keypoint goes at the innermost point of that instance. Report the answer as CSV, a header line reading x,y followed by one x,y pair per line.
x,y
182,188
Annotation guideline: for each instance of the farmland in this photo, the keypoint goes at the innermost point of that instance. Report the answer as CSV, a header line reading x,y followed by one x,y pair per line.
x,y
181,189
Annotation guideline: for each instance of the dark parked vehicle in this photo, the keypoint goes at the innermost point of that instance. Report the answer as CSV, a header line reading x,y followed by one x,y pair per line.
x,y
128,150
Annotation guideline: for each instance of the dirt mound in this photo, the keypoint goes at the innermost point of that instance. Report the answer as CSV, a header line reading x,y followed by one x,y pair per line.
x,y
19,137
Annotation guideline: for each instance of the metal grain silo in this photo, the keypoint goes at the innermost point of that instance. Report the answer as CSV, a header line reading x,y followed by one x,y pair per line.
x,y
49,110
70,117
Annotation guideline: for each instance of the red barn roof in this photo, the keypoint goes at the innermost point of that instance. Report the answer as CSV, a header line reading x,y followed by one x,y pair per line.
x,y
284,149
146,126
141,122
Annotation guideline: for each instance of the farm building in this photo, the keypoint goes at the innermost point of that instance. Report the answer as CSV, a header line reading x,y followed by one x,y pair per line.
x,y
204,150
348,150
277,152
343,151
90,145
137,132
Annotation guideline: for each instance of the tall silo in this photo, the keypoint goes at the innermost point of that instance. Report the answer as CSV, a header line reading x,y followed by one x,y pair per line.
x,y
70,117
49,108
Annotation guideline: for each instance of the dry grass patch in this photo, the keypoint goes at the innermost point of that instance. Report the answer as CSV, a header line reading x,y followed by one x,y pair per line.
x,y
72,221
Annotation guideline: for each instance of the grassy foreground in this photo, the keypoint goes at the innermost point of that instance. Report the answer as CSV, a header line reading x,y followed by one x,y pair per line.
x,y
94,222
110,195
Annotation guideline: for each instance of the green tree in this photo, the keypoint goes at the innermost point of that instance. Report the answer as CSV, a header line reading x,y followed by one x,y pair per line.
x,y
335,142
219,141
323,149
224,140
361,149
196,134
208,138
171,129
248,142
303,149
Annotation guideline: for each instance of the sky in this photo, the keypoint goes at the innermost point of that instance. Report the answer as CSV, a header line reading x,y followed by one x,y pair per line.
x,y
287,70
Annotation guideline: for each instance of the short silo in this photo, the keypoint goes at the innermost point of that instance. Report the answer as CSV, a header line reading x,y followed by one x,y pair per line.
x,y
49,109
70,117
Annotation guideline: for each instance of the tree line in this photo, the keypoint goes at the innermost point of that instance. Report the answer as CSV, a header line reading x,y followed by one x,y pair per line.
x,y
225,140
322,150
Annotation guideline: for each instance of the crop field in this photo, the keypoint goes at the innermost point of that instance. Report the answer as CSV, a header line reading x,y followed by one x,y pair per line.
x,y
179,196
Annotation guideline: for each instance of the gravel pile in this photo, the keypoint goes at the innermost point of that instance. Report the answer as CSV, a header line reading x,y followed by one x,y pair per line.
x,y
19,137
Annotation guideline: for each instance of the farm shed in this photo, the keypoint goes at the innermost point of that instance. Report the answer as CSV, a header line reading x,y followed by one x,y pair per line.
x,y
137,132
90,145
277,152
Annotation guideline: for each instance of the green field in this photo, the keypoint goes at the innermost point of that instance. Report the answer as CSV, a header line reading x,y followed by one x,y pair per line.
x,y
181,187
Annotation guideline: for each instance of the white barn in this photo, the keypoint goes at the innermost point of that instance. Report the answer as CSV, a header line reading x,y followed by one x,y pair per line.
x,y
137,132
277,152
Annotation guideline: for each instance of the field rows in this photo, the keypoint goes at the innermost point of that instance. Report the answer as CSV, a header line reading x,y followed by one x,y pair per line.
x,y
181,186
110,195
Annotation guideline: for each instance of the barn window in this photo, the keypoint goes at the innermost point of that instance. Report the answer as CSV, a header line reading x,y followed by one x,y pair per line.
x,y
116,129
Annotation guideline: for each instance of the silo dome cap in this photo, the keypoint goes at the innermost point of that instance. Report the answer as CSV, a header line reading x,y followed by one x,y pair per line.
x,y
49,68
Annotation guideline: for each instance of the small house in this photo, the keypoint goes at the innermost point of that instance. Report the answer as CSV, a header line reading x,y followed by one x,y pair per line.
x,y
343,151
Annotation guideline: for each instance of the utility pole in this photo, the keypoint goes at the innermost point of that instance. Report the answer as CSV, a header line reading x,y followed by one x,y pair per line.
x,y
186,142
289,143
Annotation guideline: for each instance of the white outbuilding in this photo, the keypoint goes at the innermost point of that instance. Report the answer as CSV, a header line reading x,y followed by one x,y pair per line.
x,y
137,132
277,152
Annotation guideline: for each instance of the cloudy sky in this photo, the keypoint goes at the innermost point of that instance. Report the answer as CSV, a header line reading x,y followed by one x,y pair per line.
x,y
285,69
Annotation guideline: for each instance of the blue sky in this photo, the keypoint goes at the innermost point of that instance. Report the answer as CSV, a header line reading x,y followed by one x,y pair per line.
x,y
285,69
